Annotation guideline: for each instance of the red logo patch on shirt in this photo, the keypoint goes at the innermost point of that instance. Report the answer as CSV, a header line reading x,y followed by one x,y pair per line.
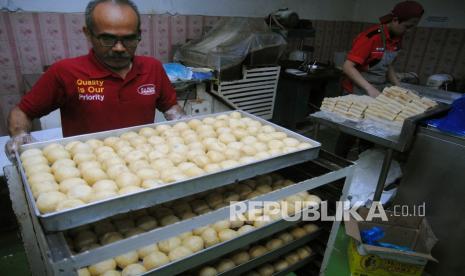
x,y
146,89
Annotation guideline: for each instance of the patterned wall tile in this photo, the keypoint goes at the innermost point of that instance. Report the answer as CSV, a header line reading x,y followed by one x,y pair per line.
x,y
8,81
78,47
6,55
178,29
194,26
7,102
453,44
162,37
29,56
54,50
74,23
145,47
3,27
50,26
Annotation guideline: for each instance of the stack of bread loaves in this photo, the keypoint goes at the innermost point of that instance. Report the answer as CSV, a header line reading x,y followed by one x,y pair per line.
x,y
394,104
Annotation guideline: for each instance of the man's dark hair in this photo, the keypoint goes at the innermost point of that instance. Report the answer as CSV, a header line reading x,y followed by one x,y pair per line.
x,y
92,4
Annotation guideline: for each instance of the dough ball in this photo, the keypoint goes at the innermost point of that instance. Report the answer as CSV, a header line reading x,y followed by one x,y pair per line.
x,y
93,175
110,238
62,162
83,157
292,258
103,227
232,154
244,229
47,202
240,257
227,234
179,253
266,270
147,173
225,265
138,165
40,177
147,250
221,225
240,133
313,200
263,189
262,155
101,195
304,252
133,232
262,221
128,135
43,187
66,172
170,219
291,142
155,259
146,223
207,134
177,157
249,140
207,271
274,244
247,160
201,160
147,132
110,141
210,237
57,154
280,265
100,267
38,168
215,156
227,164
168,245
129,190
84,238
30,152
252,130
210,168
83,272
285,237
235,115
193,243
89,165
151,183
66,184
69,203
248,149
138,141
105,184
310,228
126,259
51,147
278,135
298,233
199,231
226,138
214,198
209,120
156,140
125,179
257,251
236,124
162,164
133,270
34,160
304,145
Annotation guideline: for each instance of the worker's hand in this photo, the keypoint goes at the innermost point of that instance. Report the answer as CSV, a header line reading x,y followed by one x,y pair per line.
x,y
14,143
175,113
373,92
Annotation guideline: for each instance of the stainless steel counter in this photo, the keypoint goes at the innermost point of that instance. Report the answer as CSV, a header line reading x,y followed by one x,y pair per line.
x,y
434,175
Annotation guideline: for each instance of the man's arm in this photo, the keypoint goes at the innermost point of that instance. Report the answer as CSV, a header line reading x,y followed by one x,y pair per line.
x,y
391,75
19,126
18,122
174,113
353,74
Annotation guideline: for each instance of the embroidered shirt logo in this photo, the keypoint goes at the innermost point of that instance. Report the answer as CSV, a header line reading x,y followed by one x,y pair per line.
x,y
146,89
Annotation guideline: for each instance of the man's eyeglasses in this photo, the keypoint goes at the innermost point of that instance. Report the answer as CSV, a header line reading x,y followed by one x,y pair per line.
x,y
107,40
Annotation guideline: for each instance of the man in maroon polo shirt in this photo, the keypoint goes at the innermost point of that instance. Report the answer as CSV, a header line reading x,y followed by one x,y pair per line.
x,y
106,89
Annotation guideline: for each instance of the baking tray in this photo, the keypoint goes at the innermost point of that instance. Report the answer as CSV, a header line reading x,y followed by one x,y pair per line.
x,y
63,220
400,143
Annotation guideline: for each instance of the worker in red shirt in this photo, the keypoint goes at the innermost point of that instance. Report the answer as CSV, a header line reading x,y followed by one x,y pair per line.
x,y
106,89
368,65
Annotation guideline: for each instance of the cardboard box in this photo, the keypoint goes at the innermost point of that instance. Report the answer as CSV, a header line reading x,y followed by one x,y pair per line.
x,y
412,232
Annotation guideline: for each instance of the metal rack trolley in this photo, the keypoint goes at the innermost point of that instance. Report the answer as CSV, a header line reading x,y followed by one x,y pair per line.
x,y
48,253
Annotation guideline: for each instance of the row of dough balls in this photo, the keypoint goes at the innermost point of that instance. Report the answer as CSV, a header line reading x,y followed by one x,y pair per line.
x,y
148,159
242,256
126,225
158,254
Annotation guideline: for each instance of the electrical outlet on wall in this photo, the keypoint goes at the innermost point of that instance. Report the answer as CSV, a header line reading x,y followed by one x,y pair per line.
x,y
198,107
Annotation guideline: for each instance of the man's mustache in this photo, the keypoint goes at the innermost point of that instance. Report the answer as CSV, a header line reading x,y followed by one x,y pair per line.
x,y
118,55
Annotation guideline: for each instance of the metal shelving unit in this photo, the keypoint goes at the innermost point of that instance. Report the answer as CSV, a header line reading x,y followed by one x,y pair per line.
x,y
49,254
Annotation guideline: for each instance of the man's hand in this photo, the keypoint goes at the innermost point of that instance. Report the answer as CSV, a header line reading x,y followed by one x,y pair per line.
x,y
175,113
14,143
372,91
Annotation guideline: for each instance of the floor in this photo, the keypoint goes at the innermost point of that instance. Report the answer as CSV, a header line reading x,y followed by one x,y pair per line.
x,y
13,259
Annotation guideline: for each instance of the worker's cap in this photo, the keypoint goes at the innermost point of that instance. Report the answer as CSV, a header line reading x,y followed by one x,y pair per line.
x,y
404,11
